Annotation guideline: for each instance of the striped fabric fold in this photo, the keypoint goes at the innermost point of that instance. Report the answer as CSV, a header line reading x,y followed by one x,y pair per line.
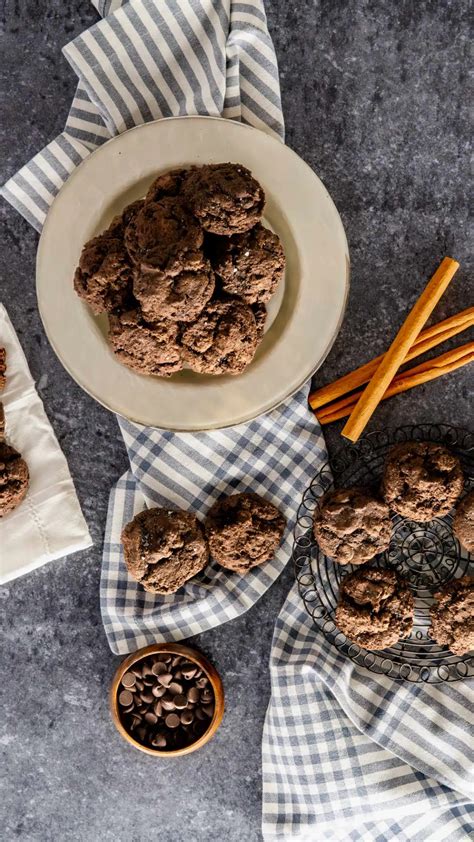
x,y
148,60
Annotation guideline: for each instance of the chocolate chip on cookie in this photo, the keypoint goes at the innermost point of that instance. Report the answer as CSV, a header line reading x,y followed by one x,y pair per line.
x,y
222,340
452,616
421,480
250,265
149,348
103,277
14,479
463,523
375,608
351,525
225,198
243,531
164,548
179,297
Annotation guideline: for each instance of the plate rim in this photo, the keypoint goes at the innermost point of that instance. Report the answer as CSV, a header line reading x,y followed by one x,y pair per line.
x,y
347,279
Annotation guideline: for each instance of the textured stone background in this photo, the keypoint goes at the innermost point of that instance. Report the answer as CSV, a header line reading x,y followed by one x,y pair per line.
x,y
375,97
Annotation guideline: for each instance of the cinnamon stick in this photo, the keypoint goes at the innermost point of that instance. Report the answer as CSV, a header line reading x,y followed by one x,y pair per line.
x,y
427,339
396,354
429,370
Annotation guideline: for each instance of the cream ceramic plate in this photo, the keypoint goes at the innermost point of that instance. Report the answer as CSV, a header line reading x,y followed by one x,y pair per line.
x,y
305,314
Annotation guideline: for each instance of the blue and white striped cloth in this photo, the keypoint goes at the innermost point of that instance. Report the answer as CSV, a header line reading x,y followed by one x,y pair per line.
x,y
346,755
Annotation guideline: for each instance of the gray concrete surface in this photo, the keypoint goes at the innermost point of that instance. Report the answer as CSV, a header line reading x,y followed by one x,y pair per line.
x,y
375,97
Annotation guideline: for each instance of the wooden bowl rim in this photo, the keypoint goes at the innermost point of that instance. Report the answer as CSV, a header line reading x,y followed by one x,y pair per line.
x,y
171,649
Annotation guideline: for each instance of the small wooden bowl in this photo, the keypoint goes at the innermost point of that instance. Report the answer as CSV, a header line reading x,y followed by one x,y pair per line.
x,y
191,655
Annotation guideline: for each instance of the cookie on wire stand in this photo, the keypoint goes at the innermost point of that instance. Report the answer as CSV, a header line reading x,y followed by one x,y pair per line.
x,y
425,554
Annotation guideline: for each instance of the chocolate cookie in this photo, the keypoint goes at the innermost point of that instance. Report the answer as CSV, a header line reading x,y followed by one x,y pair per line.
x,y
463,523
452,616
222,340
3,368
351,525
179,297
167,184
166,236
163,549
375,608
225,198
243,531
250,265
14,479
147,348
104,276
421,480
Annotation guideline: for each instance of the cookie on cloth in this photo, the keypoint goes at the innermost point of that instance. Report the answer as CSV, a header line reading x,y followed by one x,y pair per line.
x,y
243,531
14,479
164,548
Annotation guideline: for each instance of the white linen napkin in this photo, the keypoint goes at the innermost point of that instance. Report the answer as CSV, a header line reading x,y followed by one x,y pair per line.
x,y
48,524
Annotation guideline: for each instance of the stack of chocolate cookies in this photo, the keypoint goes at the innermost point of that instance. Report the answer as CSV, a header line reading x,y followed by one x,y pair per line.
x,y
184,274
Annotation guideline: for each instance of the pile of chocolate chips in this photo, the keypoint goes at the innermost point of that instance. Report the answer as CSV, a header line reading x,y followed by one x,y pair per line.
x,y
166,702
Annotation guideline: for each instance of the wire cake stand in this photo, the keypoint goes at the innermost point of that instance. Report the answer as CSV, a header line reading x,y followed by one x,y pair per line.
x,y
426,554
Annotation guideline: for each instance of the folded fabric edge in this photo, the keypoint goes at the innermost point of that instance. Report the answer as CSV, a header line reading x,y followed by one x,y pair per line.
x,y
76,547
32,190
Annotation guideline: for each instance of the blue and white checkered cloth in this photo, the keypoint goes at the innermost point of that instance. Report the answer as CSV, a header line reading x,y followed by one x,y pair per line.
x,y
346,755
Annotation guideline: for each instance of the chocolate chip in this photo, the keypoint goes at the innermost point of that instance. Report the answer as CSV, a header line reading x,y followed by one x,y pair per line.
x,y
202,682
158,691
125,698
148,698
172,720
208,710
188,671
165,679
193,695
158,708
159,741
176,661
151,718
167,703
187,717
200,714
175,687
207,696
128,680
159,668
180,701
139,685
